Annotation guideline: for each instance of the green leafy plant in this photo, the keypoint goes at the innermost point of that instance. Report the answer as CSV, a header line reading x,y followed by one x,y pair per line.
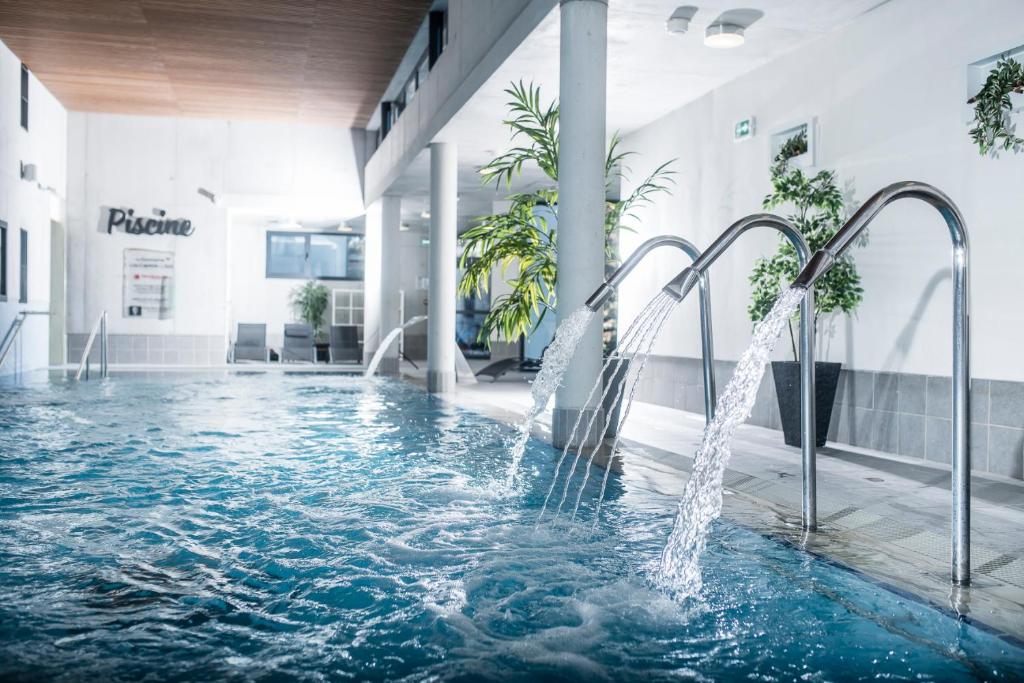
x,y
523,236
817,212
993,129
310,303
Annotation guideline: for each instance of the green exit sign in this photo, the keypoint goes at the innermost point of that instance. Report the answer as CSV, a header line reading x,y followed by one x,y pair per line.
x,y
743,129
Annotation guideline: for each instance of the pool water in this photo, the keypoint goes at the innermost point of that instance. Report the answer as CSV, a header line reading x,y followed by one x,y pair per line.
x,y
272,527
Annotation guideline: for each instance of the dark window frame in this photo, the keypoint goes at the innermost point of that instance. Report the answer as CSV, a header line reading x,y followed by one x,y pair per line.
x,y
24,96
306,271
3,261
23,266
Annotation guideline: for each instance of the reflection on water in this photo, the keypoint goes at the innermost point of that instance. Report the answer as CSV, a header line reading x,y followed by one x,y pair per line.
x,y
272,527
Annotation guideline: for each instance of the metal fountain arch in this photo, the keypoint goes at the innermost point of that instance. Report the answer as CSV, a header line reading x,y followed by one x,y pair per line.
x,y
822,262
684,282
606,290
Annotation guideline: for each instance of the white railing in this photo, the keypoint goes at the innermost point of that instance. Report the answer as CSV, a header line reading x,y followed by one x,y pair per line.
x,y
100,328
13,331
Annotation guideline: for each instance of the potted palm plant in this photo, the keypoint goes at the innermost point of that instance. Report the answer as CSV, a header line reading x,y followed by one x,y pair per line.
x,y
522,240
816,209
310,301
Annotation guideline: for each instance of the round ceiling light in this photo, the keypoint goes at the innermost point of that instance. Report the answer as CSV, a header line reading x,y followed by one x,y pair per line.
x,y
723,36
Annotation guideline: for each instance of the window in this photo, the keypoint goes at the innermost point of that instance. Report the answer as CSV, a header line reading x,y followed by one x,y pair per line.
x,y
323,256
3,261
24,97
23,268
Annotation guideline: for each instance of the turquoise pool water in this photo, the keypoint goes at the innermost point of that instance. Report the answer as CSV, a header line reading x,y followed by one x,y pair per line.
x,y
275,528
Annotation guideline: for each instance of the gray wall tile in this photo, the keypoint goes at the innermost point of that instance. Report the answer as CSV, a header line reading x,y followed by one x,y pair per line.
x,y
885,426
856,388
912,394
979,447
886,391
1005,451
937,440
938,397
980,400
1007,403
911,435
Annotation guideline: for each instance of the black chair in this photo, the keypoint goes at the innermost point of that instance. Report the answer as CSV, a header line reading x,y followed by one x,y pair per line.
x,y
298,343
344,344
250,343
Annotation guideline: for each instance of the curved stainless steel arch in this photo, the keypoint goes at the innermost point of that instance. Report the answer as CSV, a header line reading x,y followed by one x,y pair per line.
x,y
605,291
680,286
825,258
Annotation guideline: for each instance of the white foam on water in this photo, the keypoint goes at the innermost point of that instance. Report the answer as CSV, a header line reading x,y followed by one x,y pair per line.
x,y
701,503
547,381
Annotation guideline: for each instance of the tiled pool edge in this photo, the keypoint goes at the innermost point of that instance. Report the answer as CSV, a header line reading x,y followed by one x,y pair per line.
x,y
843,548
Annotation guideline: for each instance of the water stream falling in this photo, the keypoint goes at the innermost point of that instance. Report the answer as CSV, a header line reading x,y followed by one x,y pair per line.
x,y
701,502
556,360
637,341
371,368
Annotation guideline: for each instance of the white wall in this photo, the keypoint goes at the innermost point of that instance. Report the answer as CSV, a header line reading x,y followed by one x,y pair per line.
x,y
24,205
889,93
294,171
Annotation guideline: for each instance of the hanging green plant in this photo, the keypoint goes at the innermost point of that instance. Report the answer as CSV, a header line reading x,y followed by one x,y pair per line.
x,y
994,130
522,236
817,204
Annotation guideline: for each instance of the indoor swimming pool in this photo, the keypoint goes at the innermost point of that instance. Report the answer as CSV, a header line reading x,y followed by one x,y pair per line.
x,y
319,527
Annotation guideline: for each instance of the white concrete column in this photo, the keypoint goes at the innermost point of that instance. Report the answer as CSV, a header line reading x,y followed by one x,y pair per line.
x,y
391,263
381,278
581,196
373,271
441,295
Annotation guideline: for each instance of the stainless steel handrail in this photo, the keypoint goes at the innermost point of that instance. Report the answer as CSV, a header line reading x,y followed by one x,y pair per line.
x,y
680,286
605,291
13,331
826,257
99,328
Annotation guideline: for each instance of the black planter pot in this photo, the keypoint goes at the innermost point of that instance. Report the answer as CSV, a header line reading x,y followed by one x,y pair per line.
x,y
787,388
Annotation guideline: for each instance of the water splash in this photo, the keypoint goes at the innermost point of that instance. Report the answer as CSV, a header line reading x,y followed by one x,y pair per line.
x,y
634,366
556,360
371,368
622,421
637,331
701,503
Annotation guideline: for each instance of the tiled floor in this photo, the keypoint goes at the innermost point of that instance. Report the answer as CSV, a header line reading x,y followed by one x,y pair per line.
x,y
882,515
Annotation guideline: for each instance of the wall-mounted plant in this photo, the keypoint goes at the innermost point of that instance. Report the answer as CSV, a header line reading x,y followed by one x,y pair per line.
x,y
522,236
993,130
310,303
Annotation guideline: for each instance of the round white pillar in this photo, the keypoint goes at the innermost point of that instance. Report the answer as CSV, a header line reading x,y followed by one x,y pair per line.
x,y
441,295
581,198
390,258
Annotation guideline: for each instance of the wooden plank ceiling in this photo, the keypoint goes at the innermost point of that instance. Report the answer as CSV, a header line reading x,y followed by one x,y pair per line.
x,y
310,60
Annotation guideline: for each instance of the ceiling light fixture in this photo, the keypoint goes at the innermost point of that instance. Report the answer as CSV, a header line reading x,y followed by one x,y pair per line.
x,y
679,22
723,36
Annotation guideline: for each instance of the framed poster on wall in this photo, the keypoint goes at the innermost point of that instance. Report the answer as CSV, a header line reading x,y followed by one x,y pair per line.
x,y
148,284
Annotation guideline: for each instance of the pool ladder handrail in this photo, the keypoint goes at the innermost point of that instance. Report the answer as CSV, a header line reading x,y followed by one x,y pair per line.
x,y
607,289
680,286
828,256
100,328
13,330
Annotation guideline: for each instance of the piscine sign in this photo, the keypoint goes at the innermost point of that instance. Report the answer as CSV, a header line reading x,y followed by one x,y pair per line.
x,y
126,221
